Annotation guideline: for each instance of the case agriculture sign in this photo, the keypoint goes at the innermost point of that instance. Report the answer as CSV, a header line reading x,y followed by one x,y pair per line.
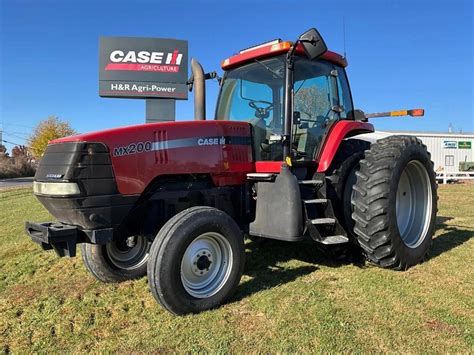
x,y
143,67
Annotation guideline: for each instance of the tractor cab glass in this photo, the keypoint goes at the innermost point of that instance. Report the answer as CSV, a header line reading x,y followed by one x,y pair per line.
x,y
254,93
321,97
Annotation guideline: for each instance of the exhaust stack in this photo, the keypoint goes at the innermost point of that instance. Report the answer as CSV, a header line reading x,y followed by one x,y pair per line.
x,y
199,87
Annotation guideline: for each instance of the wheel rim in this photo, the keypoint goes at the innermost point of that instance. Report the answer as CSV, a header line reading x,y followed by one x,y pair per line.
x,y
414,204
130,253
206,265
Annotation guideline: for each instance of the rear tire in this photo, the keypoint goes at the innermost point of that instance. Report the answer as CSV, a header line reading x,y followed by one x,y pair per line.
x,y
196,260
115,262
395,202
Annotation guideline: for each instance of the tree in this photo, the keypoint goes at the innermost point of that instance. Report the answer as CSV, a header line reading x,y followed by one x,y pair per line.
x,y
3,152
20,152
47,130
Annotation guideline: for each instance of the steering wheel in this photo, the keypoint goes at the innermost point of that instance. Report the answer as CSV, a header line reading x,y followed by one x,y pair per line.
x,y
323,122
261,112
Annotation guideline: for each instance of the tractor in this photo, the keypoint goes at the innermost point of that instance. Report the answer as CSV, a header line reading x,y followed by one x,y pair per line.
x,y
281,160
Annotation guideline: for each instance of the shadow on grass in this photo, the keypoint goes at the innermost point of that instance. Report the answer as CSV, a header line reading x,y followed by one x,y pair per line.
x,y
263,258
452,238
263,263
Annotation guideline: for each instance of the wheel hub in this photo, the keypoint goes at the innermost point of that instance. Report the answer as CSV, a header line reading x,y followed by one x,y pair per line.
x,y
202,262
129,253
206,265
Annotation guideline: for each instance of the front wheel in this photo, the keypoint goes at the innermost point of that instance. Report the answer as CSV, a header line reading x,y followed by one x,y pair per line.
x,y
395,202
118,260
196,260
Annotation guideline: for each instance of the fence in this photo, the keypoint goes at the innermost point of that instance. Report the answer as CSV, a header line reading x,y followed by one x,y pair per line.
x,y
446,176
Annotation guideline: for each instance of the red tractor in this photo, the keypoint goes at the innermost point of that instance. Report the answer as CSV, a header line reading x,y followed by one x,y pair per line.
x,y
281,160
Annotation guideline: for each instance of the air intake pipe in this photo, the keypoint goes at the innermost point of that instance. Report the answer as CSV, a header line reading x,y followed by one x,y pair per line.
x,y
199,87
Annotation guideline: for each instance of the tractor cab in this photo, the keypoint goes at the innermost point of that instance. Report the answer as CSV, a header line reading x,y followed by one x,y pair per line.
x,y
286,96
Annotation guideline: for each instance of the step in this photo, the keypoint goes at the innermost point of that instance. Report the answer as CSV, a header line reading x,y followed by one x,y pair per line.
x,y
334,239
316,200
261,176
323,221
310,182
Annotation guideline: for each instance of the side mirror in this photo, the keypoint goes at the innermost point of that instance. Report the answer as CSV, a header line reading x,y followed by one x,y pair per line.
x,y
313,43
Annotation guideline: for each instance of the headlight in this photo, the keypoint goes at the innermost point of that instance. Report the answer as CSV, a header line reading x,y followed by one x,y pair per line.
x,y
56,188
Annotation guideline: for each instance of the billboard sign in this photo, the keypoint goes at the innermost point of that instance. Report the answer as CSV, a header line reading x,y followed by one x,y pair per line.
x,y
131,67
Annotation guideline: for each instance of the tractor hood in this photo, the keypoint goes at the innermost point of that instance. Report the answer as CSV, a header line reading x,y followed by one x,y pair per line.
x,y
141,153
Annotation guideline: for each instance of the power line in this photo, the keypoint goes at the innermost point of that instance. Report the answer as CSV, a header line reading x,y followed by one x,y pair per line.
x,y
3,140
17,125
15,135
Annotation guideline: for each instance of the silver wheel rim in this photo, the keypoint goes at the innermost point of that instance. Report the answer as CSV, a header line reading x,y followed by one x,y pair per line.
x,y
129,254
206,265
414,204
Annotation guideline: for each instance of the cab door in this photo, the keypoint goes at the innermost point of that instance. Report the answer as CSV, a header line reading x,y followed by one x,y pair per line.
x,y
315,100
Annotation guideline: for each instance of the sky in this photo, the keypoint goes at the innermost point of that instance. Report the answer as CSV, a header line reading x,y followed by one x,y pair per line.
x,y
401,54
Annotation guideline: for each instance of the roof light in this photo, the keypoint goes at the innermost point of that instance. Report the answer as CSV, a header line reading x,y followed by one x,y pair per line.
x,y
280,46
275,41
399,113
416,112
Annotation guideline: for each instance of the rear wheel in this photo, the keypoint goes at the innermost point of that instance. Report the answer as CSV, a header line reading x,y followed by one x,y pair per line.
x,y
196,260
395,202
119,260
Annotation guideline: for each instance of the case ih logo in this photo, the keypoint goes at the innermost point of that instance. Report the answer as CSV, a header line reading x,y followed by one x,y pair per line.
x,y
145,61
143,68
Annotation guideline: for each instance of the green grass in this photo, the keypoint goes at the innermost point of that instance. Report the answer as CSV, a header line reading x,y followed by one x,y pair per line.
x,y
292,298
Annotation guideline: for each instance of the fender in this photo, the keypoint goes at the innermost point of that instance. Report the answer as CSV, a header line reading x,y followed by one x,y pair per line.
x,y
339,131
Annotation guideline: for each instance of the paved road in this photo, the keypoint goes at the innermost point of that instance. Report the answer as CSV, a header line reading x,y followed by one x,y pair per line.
x,y
18,182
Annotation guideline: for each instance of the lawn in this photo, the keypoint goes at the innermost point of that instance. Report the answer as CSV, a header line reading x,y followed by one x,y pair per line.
x,y
291,298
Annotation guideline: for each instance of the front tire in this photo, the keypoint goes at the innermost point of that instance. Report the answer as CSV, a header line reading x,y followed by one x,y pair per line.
x,y
395,202
117,261
196,260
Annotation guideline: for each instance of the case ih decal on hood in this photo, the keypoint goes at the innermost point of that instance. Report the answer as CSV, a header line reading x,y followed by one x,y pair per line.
x,y
141,147
143,67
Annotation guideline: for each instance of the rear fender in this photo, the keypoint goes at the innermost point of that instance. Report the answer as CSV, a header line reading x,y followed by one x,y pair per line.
x,y
339,131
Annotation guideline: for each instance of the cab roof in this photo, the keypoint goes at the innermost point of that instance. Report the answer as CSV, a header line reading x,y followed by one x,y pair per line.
x,y
274,48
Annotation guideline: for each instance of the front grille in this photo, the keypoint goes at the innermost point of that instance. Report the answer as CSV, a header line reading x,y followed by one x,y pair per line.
x,y
88,164
99,205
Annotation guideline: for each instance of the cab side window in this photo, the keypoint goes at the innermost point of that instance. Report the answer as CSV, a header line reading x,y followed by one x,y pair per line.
x,y
315,96
345,99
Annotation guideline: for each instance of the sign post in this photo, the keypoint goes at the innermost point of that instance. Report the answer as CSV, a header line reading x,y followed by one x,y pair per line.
x,y
159,110
154,69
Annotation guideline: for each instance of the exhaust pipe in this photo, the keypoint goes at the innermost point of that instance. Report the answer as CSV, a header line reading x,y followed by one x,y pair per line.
x,y
199,86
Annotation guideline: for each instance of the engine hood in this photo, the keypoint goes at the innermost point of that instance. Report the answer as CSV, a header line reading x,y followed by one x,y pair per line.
x,y
144,152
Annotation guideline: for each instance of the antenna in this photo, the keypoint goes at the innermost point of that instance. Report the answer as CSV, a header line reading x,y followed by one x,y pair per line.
x,y
344,35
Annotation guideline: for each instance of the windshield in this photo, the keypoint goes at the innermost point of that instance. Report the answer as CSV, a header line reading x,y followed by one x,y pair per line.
x,y
254,93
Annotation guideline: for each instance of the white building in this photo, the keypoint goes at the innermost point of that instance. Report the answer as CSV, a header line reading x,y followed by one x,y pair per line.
x,y
447,149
